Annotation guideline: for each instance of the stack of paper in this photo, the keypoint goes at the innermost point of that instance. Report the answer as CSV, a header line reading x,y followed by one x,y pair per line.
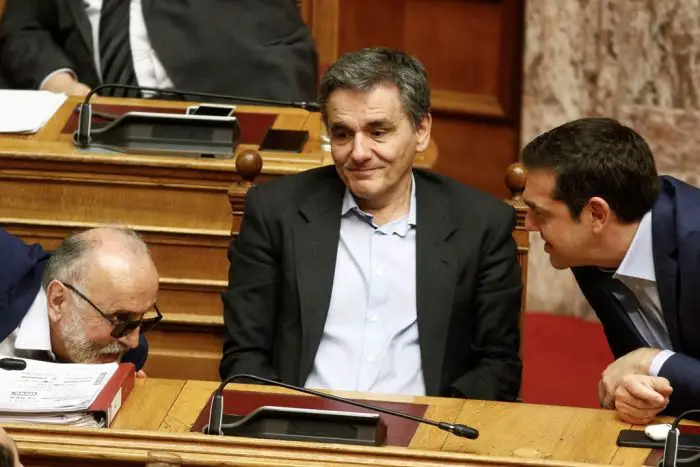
x,y
27,111
47,392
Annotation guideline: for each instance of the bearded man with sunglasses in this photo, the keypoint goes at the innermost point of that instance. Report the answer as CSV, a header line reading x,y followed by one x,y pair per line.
x,y
88,302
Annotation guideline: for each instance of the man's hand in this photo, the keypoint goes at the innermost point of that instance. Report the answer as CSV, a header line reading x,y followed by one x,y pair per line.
x,y
640,398
636,362
64,82
141,374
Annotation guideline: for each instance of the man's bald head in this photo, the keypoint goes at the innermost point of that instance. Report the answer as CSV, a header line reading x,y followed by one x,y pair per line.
x,y
112,250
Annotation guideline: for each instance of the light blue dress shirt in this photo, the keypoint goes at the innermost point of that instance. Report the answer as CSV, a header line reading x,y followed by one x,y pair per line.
x,y
637,273
370,338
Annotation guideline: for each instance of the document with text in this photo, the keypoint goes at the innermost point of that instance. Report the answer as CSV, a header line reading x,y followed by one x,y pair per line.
x,y
48,392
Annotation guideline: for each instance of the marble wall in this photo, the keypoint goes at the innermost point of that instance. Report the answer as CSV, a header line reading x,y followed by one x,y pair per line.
x,y
634,60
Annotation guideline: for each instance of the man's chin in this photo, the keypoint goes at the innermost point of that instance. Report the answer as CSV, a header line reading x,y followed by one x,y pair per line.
x,y
558,263
363,189
110,357
103,358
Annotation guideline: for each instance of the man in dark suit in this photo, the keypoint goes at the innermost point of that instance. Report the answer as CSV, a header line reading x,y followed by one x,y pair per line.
x,y
247,48
371,276
85,303
632,240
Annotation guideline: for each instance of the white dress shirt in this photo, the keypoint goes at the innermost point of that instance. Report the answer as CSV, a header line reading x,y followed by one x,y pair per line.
x,y
148,68
32,338
637,273
370,338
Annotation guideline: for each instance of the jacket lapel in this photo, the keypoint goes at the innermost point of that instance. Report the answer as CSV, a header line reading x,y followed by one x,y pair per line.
x,y
82,22
434,284
666,281
316,237
666,268
146,6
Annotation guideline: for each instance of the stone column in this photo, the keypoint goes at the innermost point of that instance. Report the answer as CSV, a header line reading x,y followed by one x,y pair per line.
x,y
634,60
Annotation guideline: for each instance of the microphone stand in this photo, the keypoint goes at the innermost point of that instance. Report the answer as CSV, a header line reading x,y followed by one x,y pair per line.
x,y
85,116
670,456
217,407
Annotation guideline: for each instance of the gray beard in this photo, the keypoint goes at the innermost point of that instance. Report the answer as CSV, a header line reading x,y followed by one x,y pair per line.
x,y
79,348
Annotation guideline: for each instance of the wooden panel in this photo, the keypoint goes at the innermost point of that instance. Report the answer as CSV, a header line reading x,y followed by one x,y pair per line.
x,y
185,349
472,50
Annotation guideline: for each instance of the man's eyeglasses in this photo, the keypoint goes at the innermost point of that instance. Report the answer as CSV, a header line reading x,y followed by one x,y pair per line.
x,y
122,327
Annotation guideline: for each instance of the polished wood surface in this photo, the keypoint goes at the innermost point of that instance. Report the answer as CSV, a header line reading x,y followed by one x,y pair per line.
x,y
158,415
472,50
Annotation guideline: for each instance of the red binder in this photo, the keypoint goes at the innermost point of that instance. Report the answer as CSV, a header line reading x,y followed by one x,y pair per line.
x,y
110,399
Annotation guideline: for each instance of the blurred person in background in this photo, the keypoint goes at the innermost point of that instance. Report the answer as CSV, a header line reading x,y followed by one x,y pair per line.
x,y
248,48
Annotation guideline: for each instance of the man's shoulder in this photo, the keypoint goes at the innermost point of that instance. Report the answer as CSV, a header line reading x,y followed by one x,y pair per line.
x,y
295,187
685,199
464,200
18,257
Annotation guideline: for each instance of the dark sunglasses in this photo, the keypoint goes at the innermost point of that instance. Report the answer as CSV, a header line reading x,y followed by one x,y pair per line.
x,y
120,327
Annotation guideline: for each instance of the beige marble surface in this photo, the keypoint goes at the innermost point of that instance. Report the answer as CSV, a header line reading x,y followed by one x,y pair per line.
x,y
634,60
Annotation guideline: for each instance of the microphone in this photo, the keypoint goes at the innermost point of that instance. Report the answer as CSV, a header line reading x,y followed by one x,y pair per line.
x,y
11,364
217,408
85,117
670,455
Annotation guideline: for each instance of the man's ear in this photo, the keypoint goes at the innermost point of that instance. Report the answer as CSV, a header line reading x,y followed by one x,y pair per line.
x,y
599,213
56,296
423,133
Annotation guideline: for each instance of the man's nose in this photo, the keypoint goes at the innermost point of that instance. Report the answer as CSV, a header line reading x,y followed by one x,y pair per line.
x,y
530,224
360,148
131,340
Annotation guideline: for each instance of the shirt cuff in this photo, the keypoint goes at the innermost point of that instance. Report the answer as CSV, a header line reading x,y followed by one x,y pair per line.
x,y
658,361
53,73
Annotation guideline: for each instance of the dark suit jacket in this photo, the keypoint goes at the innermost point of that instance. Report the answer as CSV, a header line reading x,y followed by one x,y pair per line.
x,y
20,280
676,243
468,284
250,48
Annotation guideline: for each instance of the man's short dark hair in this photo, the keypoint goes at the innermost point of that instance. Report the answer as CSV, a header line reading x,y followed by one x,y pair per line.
x,y
367,68
597,157
7,458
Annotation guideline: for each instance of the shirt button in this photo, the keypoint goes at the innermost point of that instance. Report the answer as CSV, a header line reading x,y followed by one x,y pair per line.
x,y
380,272
370,359
374,318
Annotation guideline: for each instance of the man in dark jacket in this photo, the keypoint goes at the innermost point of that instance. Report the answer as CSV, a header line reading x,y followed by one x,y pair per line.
x,y
632,240
248,48
85,303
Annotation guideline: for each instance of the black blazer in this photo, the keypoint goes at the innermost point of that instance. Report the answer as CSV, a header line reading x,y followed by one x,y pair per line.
x,y
675,231
254,48
468,284
20,279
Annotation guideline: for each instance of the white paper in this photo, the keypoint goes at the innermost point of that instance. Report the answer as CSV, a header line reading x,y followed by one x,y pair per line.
x,y
52,387
23,111
83,419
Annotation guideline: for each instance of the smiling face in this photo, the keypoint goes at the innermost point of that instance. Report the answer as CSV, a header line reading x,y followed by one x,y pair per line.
x,y
567,240
374,142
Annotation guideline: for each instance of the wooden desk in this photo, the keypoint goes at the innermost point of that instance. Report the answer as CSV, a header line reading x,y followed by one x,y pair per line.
x,y
49,189
159,413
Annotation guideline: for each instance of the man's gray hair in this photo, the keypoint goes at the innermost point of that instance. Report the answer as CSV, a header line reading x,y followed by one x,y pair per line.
x,y
364,70
68,263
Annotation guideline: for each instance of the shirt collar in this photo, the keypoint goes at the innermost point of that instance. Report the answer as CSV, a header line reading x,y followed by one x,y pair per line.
x,y
34,332
638,262
399,227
